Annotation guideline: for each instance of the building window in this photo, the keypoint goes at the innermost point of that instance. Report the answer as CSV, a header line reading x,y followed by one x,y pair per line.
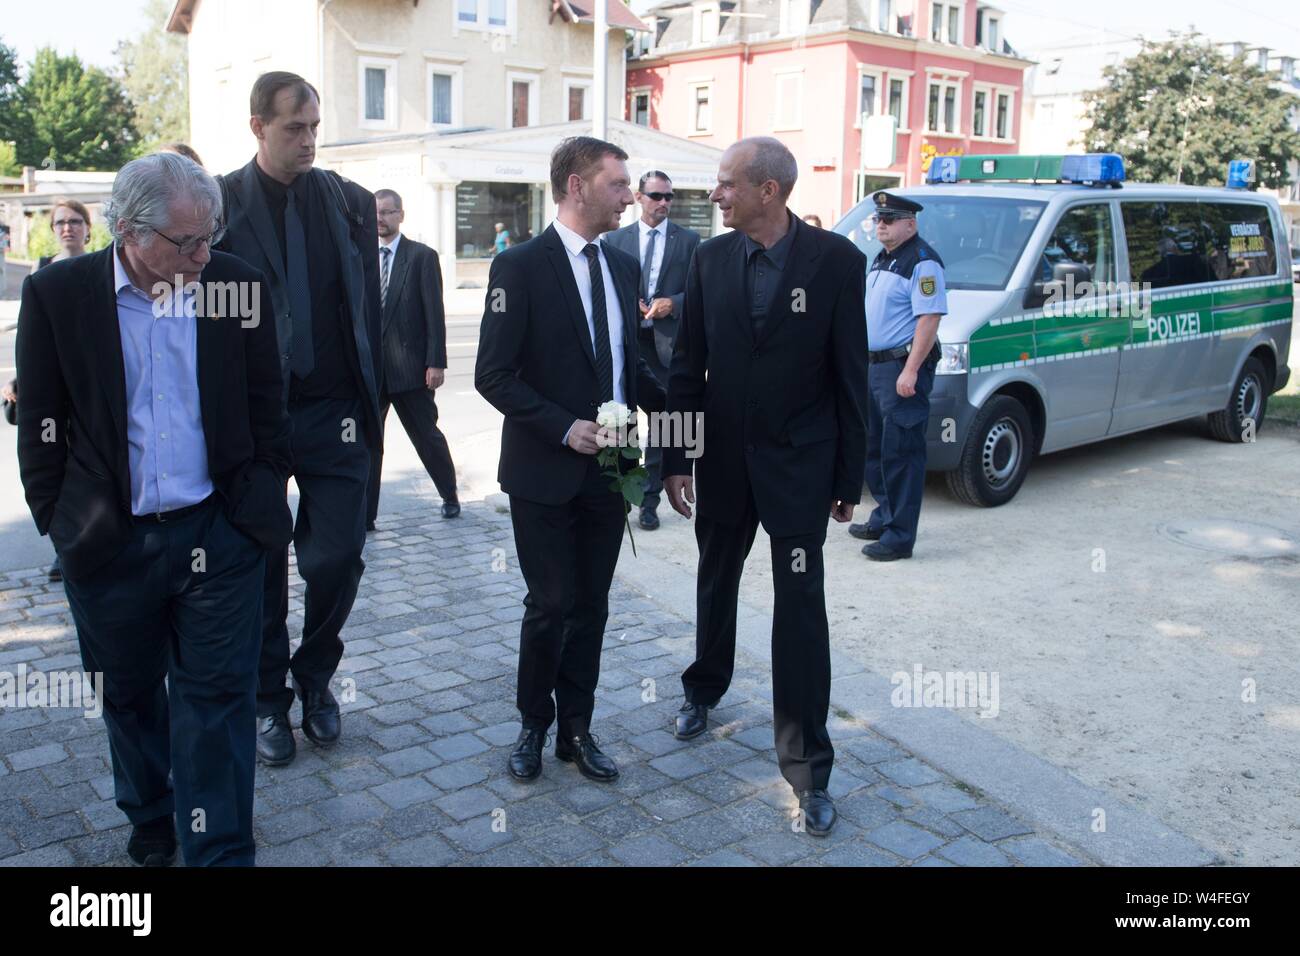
x,y
898,101
945,22
481,205
789,101
994,38
707,22
978,113
641,108
522,103
377,93
577,100
941,113
885,21
868,90
795,15
1003,123
494,15
444,95
701,110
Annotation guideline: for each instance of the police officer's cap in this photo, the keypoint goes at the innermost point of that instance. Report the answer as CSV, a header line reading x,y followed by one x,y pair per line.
x,y
895,205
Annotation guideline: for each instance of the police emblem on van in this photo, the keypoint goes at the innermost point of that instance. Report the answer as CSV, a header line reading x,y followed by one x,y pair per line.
x,y
927,285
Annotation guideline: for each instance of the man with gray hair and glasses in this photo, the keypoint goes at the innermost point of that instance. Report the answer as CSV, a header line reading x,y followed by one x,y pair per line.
x,y
154,447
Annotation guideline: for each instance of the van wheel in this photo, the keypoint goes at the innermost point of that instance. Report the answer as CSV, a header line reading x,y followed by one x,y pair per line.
x,y
1248,401
997,454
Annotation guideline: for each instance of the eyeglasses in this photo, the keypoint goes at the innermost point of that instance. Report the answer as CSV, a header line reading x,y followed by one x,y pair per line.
x,y
60,223
659,197
187,247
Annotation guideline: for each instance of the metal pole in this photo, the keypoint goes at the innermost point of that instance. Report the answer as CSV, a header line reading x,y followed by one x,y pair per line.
x,y
600,71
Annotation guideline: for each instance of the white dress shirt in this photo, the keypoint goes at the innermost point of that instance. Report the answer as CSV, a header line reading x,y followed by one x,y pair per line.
x,y
574,244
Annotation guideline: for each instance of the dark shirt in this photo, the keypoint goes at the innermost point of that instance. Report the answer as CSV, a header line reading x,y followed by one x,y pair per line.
x,y
333,346
763,271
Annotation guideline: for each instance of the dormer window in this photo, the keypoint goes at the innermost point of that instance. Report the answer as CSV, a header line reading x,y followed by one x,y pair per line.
x,y
708,18
795,15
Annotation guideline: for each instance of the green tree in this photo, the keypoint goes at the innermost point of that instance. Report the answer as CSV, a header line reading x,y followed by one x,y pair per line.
x,y
154,70
78,116
1177,111
13,125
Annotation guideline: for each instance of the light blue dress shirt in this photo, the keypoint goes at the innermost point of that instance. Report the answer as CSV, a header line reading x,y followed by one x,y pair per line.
x,y
166,451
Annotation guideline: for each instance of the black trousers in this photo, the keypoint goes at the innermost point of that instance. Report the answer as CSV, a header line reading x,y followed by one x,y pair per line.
x,y
419,416
654,455
182,602
567,555
332,473
801,656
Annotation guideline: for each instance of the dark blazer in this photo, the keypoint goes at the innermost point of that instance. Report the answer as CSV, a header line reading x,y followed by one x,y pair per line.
x,y
69,355
783,416
679,245
536,364
415,327
250,235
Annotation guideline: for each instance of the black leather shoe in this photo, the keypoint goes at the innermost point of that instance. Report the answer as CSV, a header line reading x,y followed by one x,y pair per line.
x,y
878,552
865,531
649,519
583,751
275,744
450,508
56,571
153,843
818,812
526,759
320,715
692,720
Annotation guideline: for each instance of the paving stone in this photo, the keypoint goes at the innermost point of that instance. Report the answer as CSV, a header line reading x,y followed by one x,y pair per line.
x,y
704,832
908,772
855,853
478,835
649,850
1032,851
289,825
583,796
458,747
970,851
401,763
945,798
37,757
778,848
431,850
350,808
904,840
673,803
721,858
680,766
565,841
990,823
621,820
759,772
471,802
455,776
405,792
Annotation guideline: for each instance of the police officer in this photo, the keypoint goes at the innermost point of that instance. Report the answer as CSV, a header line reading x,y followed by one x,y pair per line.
x,y
906,297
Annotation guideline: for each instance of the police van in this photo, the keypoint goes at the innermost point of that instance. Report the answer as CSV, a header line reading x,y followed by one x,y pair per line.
x,y
1082,307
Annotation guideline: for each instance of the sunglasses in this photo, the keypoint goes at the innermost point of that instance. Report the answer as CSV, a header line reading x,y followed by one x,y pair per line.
x,y
659,197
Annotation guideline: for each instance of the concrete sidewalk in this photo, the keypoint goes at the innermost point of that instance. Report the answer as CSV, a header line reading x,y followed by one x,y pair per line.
x,y
419,777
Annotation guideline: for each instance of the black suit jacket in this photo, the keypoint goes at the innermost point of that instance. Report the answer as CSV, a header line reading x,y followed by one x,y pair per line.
x,y
536,364
679,246
415,327
250,235
783,415
69,355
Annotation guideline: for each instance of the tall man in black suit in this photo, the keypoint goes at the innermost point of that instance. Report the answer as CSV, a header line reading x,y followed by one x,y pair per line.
x,y
772,350
154,449
312,234
664,250
415,351
555,344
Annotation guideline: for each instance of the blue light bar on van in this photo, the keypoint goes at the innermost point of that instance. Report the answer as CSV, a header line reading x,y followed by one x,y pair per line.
x,y
1241,173
1105,169
1092,168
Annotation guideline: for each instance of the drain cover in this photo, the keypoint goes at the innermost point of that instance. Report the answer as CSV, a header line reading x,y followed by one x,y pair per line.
x,y
1242,539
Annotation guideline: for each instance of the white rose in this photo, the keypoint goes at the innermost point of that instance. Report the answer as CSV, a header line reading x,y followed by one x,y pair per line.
x,y
613,415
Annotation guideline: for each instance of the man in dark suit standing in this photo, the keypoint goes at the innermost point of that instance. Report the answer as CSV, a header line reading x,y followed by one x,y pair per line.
x,y
556,343
312,234
772,351
415,351
664,250
154,449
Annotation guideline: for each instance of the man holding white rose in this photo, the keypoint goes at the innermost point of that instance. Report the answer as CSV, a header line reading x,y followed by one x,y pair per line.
x,y
557,347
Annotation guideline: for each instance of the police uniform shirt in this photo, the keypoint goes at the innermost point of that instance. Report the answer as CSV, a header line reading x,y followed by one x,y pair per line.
x,y
900,286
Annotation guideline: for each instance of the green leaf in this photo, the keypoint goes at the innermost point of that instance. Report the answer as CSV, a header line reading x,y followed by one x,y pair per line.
x,y
631,452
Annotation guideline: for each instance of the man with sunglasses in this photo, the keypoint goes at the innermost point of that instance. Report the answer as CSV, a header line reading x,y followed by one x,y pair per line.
x,y
153,449
906,298
664,250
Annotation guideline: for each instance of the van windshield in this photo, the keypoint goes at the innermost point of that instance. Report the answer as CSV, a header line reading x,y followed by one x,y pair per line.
x,y
979,238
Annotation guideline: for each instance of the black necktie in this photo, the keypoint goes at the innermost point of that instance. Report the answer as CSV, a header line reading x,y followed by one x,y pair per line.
x,y
645,266
295,244
383,275
600,321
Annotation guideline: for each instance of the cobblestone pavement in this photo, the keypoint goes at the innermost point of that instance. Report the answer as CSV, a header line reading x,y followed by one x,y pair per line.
x,y
419,777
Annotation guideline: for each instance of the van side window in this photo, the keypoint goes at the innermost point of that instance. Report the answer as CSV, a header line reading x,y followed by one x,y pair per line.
x,y
1168,244
1083,237
1242,240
